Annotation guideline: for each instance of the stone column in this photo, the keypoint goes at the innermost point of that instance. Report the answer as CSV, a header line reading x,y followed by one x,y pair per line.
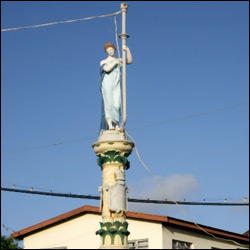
x,y
112,150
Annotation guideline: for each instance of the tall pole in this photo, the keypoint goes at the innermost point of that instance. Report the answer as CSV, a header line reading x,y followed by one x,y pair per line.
x,y
124,36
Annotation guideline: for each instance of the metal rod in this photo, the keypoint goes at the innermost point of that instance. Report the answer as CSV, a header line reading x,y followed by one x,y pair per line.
x,y
124,36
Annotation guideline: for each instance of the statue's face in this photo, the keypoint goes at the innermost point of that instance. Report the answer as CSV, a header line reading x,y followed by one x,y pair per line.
x,y
110,51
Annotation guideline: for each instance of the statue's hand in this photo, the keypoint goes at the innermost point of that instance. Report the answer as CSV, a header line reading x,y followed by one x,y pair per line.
x,y
119,62
125,47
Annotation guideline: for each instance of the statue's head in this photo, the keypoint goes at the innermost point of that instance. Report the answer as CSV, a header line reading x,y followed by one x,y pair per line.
x,y
108,45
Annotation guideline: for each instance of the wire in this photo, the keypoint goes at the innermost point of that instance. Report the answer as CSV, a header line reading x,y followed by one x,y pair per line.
x,y
37,188
178,203
69,21
116,38
190,116
137,200
209,201
52,145
95,197
8,228
52,194
141,127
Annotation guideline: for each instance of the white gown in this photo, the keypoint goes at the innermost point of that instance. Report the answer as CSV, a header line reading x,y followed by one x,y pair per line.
x,y
111,95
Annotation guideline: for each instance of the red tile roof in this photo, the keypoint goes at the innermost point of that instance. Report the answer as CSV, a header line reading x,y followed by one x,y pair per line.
x,y
246,233
130,215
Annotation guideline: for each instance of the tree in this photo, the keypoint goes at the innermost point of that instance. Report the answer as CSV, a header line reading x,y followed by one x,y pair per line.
x,y
9,243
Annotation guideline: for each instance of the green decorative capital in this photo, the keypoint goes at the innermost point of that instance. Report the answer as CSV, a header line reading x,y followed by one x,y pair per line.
x,y
113,156
117,228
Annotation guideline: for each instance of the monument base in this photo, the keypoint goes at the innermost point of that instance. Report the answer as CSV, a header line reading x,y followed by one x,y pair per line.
x,y
112,135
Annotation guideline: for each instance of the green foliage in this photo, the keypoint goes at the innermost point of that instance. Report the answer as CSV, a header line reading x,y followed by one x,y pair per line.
x,y
9,243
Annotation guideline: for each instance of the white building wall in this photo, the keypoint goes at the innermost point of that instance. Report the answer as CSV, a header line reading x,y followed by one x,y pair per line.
x,y
144,229
199,241
78,233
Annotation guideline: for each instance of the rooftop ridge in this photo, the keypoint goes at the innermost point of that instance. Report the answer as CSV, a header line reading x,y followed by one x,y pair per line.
x,y
132,215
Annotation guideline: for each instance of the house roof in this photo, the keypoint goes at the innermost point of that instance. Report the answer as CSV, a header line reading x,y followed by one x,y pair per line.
x,y
246,233
165,220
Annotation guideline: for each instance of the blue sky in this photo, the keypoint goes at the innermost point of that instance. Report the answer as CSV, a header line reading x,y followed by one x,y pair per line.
x,y
187,106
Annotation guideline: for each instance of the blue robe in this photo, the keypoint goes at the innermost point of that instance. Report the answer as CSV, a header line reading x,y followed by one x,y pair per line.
x,y
111,95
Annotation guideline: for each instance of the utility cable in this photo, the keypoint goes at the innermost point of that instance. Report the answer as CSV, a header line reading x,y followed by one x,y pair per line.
x,y
191,116
52,145
178,203
31,191
95,197
8,228
138,201
69,21
209,201
116,38
138,128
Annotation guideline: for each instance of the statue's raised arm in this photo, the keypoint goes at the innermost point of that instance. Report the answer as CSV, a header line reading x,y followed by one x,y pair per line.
x,y
111,87
129,55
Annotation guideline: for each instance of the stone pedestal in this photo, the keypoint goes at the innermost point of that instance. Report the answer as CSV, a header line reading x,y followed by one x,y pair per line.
x,y
112,150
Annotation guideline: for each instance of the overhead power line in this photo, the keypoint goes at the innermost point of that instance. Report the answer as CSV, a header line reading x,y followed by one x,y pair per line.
x,y
138,128
8,228
68,21
187,117
129,199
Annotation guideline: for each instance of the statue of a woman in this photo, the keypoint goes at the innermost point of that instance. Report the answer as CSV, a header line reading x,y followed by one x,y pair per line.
x,y
111,87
